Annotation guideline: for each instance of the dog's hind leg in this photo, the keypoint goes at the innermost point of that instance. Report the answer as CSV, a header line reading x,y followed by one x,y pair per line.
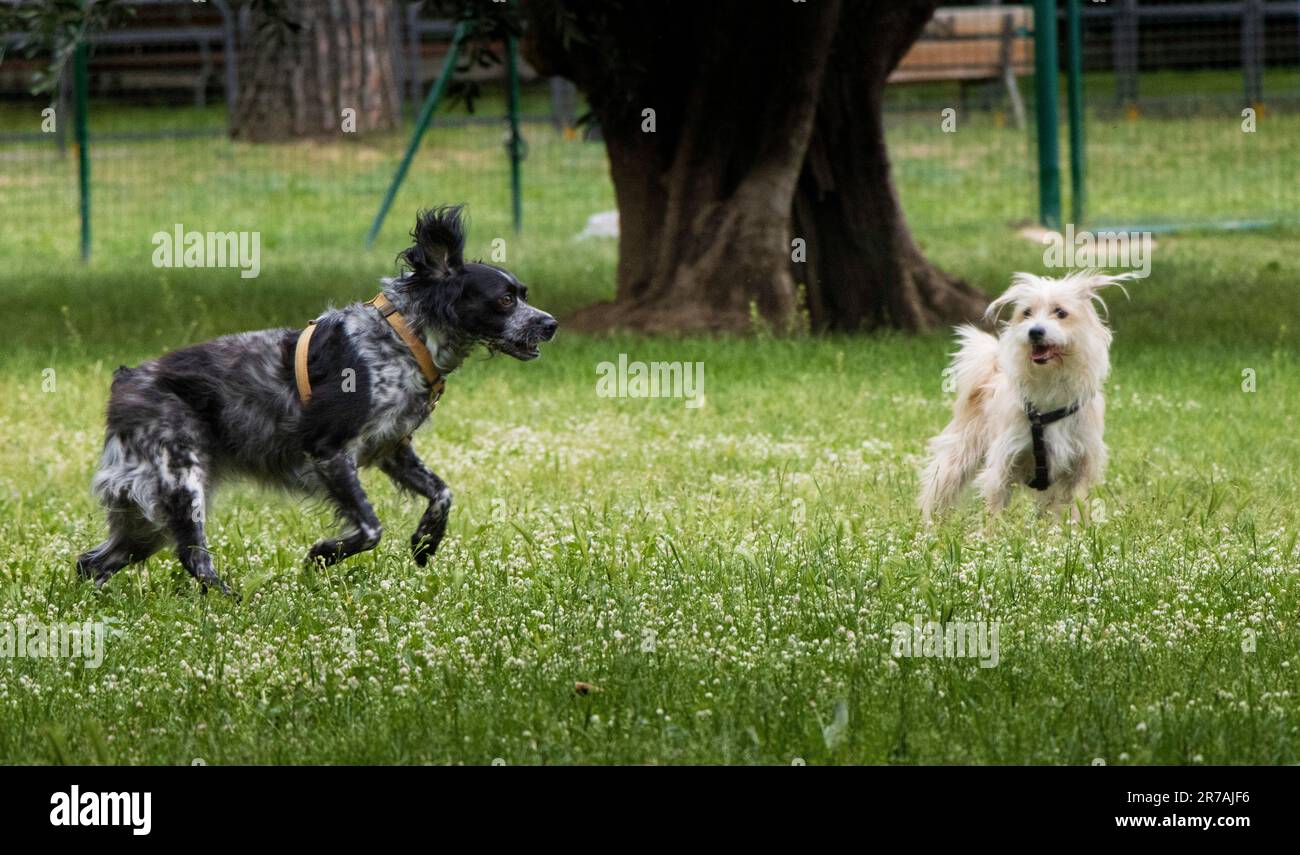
x,y
184,499
338,475
131,539
408,471
955,456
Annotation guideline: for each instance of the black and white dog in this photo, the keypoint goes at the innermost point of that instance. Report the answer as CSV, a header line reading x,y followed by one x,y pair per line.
x,y
180,424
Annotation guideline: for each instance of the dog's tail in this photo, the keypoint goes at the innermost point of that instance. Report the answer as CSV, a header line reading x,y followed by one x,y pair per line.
x,y
955,454
973,365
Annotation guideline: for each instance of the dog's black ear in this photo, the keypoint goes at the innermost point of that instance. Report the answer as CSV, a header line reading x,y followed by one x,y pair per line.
x,y
439,302
439,243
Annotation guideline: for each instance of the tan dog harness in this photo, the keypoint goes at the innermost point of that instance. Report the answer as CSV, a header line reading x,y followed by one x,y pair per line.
x,y
418,349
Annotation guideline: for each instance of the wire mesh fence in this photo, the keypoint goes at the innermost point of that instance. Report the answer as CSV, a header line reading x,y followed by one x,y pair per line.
x,y
1192,117
160,156
960,113
1193,113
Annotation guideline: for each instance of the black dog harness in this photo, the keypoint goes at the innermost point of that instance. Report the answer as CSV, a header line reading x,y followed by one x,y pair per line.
x,y
1038,421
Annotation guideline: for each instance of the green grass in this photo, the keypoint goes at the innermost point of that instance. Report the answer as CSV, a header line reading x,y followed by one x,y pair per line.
x,y
727,577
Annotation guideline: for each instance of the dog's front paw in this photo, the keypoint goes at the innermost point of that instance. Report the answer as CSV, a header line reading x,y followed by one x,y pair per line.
x,y
423,546
323,553
223,588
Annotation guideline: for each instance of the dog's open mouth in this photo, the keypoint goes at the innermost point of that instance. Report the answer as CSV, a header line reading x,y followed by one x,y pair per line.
x,y
1041,354
523,351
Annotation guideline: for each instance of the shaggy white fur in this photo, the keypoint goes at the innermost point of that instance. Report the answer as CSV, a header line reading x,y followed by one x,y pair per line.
x,y
1053,352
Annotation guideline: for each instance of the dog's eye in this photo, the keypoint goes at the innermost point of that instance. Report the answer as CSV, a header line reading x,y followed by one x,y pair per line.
x,y
507,301
1061,313
1028,312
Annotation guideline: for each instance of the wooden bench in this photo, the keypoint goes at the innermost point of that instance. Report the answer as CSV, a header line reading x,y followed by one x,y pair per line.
x,y
973,44
190,59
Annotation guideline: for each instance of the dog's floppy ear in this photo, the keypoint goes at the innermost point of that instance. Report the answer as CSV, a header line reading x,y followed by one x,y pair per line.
x,y
1095,280
439,302
1019,282
439,243
1092,281
995,308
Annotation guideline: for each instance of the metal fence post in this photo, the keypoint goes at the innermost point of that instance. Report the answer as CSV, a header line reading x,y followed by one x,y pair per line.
x,y
564,98
1252,51
1124,29
1045,93
81,109
1074,88
415,67
516,142
61,110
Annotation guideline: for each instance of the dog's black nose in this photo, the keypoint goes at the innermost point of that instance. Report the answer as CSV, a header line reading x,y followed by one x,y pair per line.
x,y
549,326
1036,333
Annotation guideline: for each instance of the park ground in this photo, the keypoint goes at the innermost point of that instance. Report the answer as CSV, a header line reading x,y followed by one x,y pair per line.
x,y
725,580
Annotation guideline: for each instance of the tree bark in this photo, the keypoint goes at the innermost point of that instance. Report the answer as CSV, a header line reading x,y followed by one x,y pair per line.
x,y
311,60
704,197
863,269
767,115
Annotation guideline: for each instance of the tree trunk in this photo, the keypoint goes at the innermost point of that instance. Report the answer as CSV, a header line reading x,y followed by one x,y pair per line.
x,y
704,197
766,114
863,269
309,62
704,244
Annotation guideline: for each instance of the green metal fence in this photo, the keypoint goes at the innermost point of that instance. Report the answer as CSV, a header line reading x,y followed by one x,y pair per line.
x,y
1169,121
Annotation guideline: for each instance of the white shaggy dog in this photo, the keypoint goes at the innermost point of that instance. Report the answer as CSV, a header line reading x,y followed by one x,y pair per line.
x,y
1029,405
